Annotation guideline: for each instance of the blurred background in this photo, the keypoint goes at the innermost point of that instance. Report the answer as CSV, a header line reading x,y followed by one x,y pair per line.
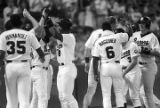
x,y
86,15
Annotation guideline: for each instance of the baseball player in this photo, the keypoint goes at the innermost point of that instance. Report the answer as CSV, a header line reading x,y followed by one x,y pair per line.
x,y
92,84
107,50
41,73
15,48
65,55
131,71
149,45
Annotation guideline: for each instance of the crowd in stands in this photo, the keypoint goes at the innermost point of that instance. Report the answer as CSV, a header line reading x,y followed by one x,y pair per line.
x,y
86,15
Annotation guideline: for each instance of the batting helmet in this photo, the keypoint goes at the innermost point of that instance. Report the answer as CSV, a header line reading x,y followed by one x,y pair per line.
x,y
145,21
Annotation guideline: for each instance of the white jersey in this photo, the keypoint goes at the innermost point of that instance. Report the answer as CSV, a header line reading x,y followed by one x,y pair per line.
x,y
149,41
18,43
131,50
66,49
48,55
93,37
109,48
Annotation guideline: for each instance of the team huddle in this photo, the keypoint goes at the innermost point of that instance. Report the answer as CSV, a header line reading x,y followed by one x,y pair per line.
x,y
118,56
114,55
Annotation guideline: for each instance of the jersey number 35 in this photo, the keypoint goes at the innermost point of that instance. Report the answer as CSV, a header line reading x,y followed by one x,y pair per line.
x,y
16,47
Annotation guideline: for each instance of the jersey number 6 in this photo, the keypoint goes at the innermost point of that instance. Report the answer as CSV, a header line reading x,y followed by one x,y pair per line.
x,y
110,52
19,45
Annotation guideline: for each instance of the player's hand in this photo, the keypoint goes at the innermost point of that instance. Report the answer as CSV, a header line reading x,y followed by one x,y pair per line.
x,y
86,67
26,13
45,13
96,77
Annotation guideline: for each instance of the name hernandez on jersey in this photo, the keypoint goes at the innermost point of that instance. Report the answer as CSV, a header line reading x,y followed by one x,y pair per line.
x,y
131,50
109,48
17,44
65,50
150,41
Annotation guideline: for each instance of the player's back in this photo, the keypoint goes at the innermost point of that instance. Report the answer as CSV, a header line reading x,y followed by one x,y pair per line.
x,y
109,47
18,43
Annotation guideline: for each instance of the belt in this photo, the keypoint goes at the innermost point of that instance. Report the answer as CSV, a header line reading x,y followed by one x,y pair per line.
x,y
124,67
61,64
10,61
113,61
46,68
142,63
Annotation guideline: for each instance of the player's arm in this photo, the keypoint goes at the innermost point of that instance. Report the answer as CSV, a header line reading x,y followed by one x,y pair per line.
x,y
2,56
87,56
134,53
133,63
94,63
123,37
95,67
36,45
38,30
155,48
27,15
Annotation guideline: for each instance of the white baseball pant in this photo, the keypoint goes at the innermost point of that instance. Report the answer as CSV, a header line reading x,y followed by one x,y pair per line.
x,y
65,84
17,79
92,85
132,82
149,71
42,82
111,73
142,95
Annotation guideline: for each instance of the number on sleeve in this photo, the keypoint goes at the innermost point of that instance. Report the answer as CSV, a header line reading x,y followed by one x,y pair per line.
x,y
110,53
21,49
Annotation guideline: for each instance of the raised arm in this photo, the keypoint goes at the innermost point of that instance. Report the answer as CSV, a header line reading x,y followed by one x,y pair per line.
x,y
27,15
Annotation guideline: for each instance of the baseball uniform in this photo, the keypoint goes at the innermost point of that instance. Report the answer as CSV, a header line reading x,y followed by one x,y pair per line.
x,y
147,64
92,84
133,78
17,44
41,75
67,70
109,49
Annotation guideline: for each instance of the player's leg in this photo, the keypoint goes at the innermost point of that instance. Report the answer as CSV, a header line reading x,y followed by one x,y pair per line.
x,y
41,86
125,91
11,89
106,84
34,100
49,80
23,85
65,84
148,78
92,85
117,84
134,88
142,95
